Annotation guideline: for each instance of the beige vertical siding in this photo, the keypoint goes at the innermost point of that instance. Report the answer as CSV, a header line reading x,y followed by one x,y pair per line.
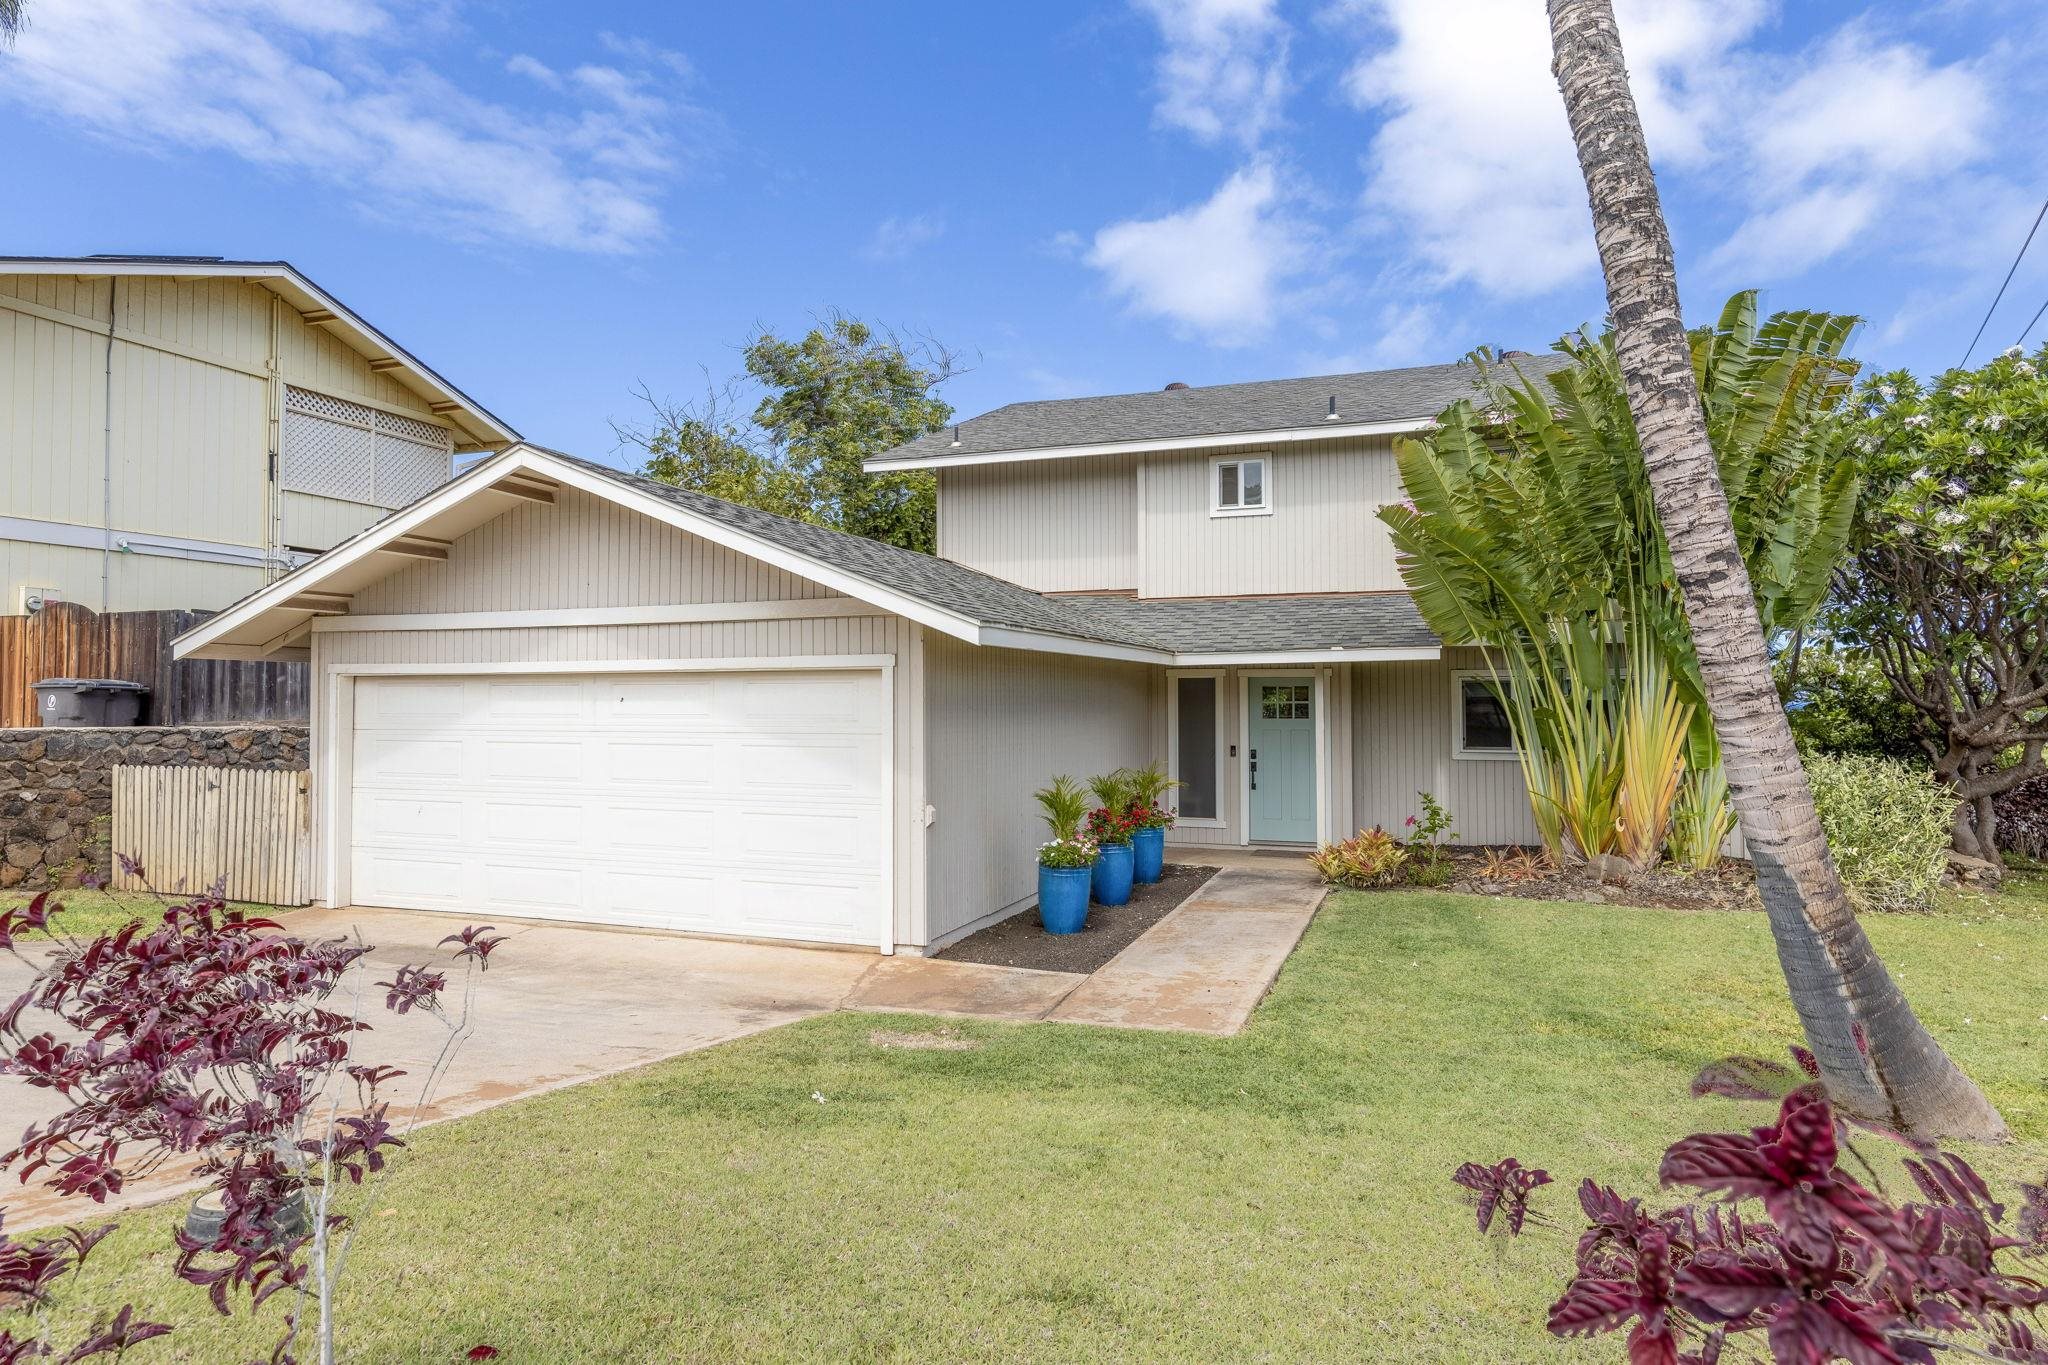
x,y
139,583
315,523
585,552
1404,745
1322,535
185,451
581,551
1000,724
1053,525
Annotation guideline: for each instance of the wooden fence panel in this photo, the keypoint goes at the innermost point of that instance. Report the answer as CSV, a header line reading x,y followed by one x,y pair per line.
x,y
66,640
191,826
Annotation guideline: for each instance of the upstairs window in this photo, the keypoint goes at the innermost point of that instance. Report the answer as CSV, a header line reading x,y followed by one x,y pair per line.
x,y
1239,488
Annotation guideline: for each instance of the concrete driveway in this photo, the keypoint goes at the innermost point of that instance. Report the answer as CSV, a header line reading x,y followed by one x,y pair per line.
x,y
559,1005
567,1003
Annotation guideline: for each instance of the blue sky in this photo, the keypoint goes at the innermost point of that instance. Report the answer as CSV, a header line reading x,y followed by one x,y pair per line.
x,y
555,204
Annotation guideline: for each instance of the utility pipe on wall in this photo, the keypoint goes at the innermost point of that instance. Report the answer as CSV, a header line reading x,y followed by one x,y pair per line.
x,y
107,456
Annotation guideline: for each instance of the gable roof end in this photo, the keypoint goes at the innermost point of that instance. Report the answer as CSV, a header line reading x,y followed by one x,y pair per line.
x,y
484,430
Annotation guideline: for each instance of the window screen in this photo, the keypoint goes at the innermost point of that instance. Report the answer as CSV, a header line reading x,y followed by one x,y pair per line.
x,y
1484,717
1196,702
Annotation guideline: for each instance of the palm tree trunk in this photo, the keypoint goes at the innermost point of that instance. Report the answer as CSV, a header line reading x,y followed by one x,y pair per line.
x,y
1875,1056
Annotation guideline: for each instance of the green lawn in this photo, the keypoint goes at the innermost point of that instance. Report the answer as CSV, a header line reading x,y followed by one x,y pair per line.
x,y
1068,1193
87,914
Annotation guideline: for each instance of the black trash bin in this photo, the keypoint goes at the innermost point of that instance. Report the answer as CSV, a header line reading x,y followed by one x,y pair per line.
x,y
89,701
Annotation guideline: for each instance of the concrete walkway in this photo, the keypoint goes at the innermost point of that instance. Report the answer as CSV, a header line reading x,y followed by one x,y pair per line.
x,y
562,1004
1205,967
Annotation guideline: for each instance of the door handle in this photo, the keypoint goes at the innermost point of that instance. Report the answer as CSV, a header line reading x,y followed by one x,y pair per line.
x,y
1255,770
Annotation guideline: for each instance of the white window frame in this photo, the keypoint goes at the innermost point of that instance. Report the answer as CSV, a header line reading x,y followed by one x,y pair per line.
x,y
1264,508
1173,676
1459,677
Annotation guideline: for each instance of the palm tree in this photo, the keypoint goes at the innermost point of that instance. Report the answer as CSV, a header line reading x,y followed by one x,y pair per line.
x,y
11,20
1875,1056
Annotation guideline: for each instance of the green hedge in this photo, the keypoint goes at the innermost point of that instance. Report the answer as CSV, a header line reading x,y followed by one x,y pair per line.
x,y
1888,826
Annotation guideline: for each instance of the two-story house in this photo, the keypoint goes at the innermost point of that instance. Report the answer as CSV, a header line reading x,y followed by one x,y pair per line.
x,y
177,431
621,702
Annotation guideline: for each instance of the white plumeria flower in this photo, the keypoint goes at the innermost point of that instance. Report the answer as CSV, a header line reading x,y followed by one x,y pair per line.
x,y
2012,353
818,1097
1995,422
1961,390
1975,450
1957,487
2024,367
1887,392
1919,419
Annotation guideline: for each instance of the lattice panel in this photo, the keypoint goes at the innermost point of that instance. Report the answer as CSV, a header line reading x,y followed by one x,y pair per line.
x,y
337,449
407,470
326,458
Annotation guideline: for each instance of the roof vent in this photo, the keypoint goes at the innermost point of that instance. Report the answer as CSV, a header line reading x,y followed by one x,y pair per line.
x,y
1175,387
956,438
1331,415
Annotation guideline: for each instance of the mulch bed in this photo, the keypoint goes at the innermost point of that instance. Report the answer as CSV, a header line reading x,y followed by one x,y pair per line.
x,y
1021,941
1732,886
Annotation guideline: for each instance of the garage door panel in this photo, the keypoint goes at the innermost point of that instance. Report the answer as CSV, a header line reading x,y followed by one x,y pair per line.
x,y
637,700
539,702
658,763
408,819
747,804
409,758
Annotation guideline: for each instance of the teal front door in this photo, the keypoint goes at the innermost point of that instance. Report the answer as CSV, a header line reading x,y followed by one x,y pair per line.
x,y
1281,759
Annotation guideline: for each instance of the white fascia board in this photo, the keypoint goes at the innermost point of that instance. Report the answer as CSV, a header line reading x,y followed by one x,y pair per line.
x,y
998,637
1396,427
1298,657
269,270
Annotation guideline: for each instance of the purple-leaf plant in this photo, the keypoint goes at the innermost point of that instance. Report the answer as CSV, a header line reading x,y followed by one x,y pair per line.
x,y
213,1040
1779,1246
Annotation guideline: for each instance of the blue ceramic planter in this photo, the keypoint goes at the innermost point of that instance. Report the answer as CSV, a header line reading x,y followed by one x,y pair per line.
x,y
1148,855
1113,874
1063,898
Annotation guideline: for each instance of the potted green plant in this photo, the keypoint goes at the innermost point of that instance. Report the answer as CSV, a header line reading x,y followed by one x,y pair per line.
x,y
1110,826
1066,862
1151,819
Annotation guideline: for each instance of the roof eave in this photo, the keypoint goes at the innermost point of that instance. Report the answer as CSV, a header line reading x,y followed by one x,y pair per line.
x,y
1320,431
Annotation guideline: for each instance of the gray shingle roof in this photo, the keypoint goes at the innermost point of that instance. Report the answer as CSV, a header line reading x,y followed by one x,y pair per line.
x,y
1265,406
1237,625
1206,625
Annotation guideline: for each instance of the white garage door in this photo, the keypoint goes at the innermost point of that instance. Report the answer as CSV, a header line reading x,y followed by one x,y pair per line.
x,y
728,803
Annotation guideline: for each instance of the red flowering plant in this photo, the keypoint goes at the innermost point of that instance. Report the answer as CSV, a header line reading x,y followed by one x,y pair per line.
x,y
211,1041
1148,787
1779,1242
1107,826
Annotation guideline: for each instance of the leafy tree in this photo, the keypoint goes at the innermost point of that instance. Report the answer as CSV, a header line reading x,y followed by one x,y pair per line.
x,y
1948,588
1840,703
1872,1052
841,394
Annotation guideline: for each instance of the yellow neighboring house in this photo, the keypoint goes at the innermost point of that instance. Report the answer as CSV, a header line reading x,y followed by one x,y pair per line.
x,y
176,431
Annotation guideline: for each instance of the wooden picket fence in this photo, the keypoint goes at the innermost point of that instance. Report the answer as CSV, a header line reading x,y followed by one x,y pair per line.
x,y
189,827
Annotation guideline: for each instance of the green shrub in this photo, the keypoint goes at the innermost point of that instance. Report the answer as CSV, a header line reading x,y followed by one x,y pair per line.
x,y
1887,824
1369,858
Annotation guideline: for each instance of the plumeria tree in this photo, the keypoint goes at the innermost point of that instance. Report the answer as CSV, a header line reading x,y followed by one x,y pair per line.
x,y
1948,587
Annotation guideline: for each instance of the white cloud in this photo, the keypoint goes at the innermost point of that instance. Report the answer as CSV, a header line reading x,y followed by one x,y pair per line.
x,y
1223,75
334,91
1473,165
895,239
1216,269
1854,127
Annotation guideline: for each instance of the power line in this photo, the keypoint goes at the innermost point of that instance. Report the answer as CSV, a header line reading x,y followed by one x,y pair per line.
x,y
2030,326
2001,288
